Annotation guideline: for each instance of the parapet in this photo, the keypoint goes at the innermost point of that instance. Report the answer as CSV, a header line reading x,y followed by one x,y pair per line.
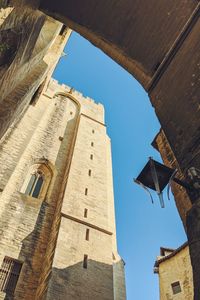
x,y
88,106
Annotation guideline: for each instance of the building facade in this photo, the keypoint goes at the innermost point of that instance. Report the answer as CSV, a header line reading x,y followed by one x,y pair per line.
x,y
175,273
31,45
57,224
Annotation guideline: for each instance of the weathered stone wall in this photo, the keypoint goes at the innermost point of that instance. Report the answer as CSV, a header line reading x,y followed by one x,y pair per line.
x,y
95,282
176,268
58,131
30,48
26,222
181,197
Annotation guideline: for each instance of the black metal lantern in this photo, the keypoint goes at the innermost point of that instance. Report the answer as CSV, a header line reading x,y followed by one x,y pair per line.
x,y
157,176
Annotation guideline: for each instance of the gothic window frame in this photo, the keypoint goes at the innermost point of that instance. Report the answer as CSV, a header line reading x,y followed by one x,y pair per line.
x,y
35,184
37,181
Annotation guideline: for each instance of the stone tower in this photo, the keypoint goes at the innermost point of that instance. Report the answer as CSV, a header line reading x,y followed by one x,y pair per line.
x,y
57,224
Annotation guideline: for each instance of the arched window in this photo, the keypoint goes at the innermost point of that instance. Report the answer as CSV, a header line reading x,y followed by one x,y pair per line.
x,y
37,181
35,184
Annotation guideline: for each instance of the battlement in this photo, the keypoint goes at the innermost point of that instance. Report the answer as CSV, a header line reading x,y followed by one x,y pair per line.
x,y
66,88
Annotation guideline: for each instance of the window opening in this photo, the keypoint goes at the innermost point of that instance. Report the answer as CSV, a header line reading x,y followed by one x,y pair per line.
x,y
9,274
85,261
92,144
85,213
30,184
91,156
89,172
35,185
86,191
38,187
62,30
87,234
176,287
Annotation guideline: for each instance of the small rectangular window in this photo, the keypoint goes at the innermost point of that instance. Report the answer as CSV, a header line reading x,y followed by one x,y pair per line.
x,y
85,213
62,30
93,131
91,156
176,287
85,261
86,191
89,172
87,235
9,275
92,144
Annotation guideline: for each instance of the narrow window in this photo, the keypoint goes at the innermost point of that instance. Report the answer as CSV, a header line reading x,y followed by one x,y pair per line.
x,y
31,184
176,287
86,191
85,261
92,144
89,172
62,30
35,184
91,156
85,213
9,274
87,234
37,187
93,131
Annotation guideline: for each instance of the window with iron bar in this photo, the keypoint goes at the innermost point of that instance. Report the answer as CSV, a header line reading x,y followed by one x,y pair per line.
x,y
9,274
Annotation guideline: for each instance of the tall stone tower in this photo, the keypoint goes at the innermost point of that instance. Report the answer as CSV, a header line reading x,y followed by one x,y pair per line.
x,y
57,224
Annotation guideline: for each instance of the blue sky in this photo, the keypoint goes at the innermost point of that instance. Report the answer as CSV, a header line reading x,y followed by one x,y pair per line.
x,y
132,125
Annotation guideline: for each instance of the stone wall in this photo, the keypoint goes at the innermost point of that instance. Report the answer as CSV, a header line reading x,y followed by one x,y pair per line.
x,y
26,222
30,48
89,187
176,268
48,233
182,199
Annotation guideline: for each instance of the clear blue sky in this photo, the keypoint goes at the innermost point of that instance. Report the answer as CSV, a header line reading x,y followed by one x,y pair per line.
x,y
132,125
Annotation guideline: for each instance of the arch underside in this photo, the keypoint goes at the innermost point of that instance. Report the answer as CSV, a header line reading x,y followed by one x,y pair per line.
x,y
157,42
138,34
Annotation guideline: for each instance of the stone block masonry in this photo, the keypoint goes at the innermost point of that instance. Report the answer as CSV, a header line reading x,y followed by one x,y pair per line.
x,y
65,236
